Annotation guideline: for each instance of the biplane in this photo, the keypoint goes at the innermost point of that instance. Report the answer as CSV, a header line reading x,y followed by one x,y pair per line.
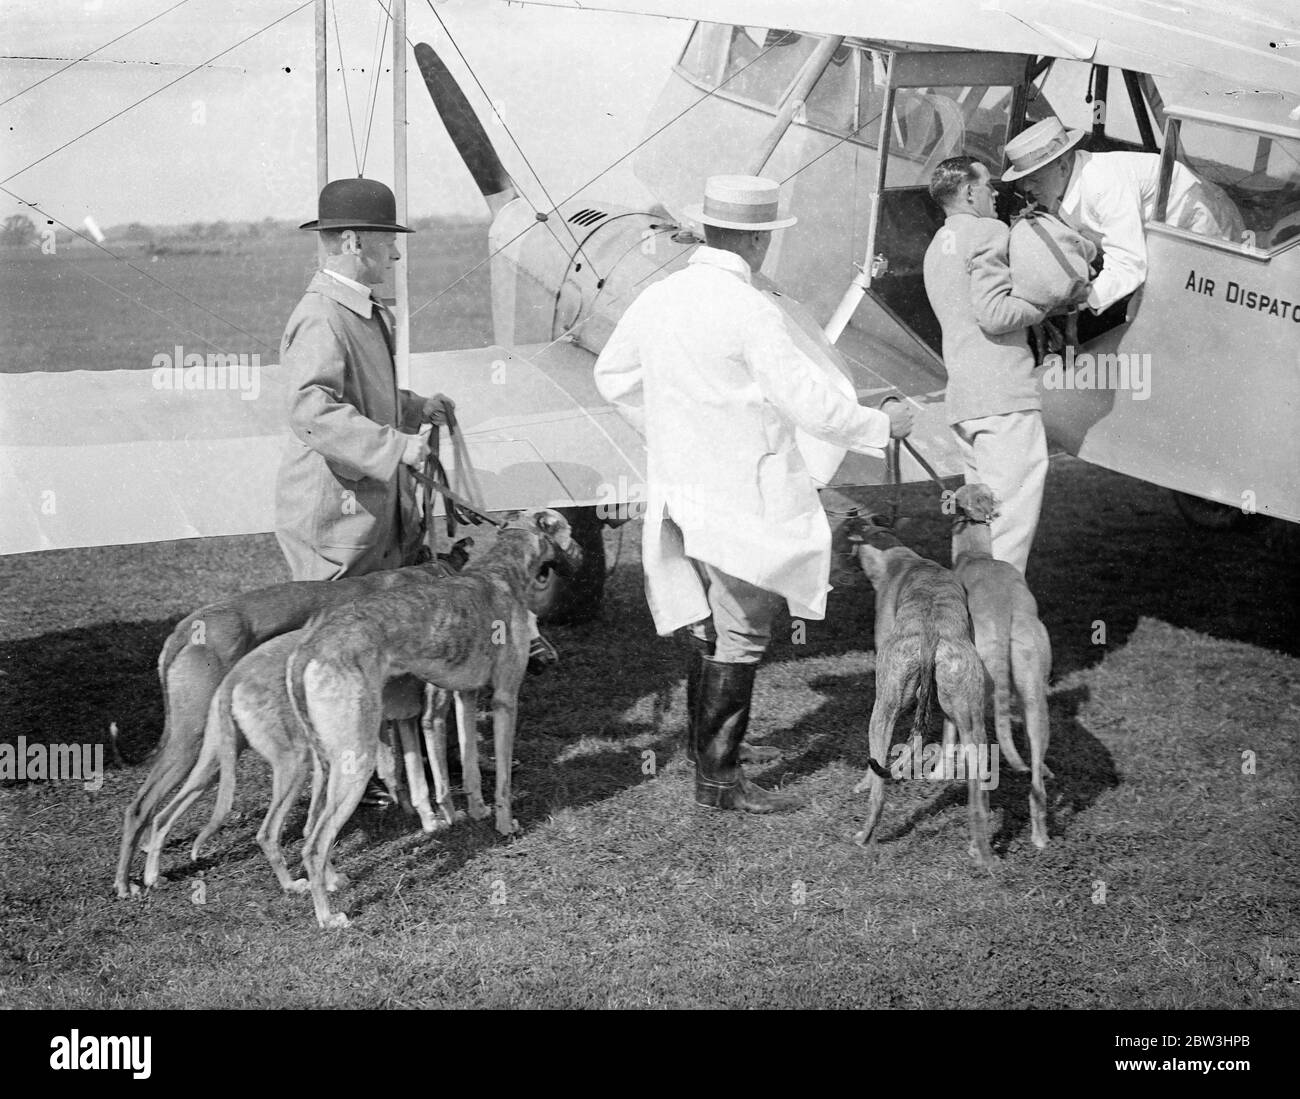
x,y
851,104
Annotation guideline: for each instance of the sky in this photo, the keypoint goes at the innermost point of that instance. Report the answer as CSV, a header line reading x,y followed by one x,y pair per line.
x,y
236,140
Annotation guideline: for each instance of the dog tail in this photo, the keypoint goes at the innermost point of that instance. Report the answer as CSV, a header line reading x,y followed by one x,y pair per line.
x,y
176,641
221,731
925,687
1000,673
293,669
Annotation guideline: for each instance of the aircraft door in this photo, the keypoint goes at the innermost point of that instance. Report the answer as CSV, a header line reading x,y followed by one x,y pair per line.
x,y
930,106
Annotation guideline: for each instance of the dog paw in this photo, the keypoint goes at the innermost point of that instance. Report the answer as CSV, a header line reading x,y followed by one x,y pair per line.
x,y
862,838
478,810
863,786
434,824
508,826
334,920
298,885
458,816
335,880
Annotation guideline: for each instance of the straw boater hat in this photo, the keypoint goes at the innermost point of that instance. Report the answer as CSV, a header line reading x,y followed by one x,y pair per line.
x,y
1042,143
364,204
740,202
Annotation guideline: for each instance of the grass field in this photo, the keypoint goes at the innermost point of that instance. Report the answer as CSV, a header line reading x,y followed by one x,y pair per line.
x,y
1171,880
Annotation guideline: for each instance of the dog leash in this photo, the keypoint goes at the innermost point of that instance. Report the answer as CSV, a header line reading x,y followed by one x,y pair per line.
x,y
433,480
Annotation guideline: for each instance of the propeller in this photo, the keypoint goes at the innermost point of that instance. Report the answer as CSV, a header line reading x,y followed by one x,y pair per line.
x,y
471,140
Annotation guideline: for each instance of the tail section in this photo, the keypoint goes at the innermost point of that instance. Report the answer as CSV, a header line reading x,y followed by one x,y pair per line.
x,y
221,731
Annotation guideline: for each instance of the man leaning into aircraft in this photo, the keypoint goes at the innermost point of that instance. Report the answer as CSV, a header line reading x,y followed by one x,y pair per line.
x,y
1109,197
992,400
702,365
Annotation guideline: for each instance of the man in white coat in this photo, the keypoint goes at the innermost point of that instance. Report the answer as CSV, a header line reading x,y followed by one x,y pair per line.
x,y
702,364
1109,197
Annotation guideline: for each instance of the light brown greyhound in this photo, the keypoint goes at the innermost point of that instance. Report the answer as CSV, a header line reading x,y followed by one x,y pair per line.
x,y
201,650
461,633
252,706
1012,641
923,648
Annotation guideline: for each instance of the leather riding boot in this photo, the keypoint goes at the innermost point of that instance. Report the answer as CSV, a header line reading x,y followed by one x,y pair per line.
x,y
722,718
697,652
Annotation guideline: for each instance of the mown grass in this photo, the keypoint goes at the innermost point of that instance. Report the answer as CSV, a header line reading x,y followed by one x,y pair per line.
x,y
1170,880
81,309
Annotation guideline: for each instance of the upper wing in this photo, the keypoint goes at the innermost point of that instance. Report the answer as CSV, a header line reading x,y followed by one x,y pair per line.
x,y
1251,41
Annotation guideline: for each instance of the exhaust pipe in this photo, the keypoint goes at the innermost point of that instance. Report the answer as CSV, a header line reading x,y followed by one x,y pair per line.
x,y
465,129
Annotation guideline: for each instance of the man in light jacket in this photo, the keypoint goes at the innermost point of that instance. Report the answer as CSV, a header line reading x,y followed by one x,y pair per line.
x,y
341,508
702,364
1109,197
992,400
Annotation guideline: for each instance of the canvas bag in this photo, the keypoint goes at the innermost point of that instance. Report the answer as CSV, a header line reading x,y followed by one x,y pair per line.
x,y
1049,260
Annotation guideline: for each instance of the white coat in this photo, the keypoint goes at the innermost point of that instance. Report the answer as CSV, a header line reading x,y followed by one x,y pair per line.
x,y
1110,197
704,367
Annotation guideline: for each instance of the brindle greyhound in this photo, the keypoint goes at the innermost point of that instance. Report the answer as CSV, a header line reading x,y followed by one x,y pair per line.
x,y
1011,640
201,650
252,706
923,648
461,633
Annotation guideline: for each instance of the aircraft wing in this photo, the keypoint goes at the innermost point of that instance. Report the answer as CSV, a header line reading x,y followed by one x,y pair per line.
x,y
92,458
1251,42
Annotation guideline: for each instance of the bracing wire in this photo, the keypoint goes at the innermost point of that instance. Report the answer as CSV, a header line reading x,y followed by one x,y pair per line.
x,y
347,99
156,91
84,56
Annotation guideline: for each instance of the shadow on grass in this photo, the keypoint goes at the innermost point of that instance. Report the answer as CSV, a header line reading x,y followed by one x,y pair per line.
x,y
1109,550
1083,767
70,685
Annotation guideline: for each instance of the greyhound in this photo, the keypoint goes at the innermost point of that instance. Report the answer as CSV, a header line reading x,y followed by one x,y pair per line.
x,y
251,706
923,648
202,649
461,633
1011,640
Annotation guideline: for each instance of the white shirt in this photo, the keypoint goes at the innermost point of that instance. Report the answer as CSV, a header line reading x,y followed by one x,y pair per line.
x,y
1111,196
703,365
359,287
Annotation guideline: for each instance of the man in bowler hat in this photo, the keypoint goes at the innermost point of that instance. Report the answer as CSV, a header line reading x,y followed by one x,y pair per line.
x,y
341,507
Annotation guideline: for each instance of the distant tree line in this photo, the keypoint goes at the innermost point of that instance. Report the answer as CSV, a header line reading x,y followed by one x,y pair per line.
x,y
19,230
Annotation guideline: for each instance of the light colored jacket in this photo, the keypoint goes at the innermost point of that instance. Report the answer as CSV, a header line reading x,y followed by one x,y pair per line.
x,y
703,365
341,506
985,349
1110,197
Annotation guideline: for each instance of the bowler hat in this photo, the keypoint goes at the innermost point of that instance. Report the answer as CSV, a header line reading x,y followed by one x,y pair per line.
x,y
1042,143
364,204
740,202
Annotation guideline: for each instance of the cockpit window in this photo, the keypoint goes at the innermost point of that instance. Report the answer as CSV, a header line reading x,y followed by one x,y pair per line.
x,y
761,65
833,98
1233,185
702,58
931,124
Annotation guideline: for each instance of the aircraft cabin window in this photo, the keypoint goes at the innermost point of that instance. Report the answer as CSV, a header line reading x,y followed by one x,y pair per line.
x,y
1071,88
871,100
832,101
704,51
1246,186
932,124
761,66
